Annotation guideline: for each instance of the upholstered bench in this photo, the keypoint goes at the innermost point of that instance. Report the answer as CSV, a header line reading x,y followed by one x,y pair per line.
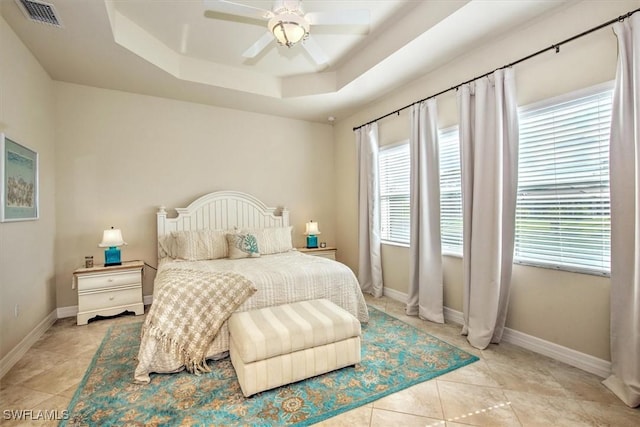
x,y
274,346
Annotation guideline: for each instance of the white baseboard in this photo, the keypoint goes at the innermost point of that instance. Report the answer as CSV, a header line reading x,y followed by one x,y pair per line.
x,y
72,311
566,355
586,362
580,360
396,295
63,312
7,362
453,316
450,315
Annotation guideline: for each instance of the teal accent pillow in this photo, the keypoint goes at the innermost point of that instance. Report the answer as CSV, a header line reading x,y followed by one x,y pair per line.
x,y
243,245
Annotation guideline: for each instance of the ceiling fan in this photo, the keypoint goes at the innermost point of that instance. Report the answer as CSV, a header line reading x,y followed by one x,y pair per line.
x,y
288,24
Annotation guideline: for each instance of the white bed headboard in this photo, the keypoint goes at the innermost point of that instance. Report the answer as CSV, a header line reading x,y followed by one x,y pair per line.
x,y
222,210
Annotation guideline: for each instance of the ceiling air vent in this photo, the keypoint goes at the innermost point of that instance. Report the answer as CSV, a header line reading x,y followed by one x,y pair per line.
x,y
39,11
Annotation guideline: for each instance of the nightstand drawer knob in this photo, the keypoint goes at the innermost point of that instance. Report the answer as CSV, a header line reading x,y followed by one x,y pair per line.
x,y
111,298
110,280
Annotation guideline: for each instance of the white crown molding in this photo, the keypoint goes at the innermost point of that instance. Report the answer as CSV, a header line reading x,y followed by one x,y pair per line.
x,y
586,362
23,346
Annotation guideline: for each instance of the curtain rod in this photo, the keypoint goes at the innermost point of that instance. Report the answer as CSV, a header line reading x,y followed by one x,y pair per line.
x,y
556,47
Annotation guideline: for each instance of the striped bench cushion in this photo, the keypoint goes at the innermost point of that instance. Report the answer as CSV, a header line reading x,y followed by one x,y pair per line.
x,y
273,331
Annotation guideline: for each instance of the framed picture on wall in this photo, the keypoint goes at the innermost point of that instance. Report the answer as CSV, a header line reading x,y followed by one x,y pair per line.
x,y
19,172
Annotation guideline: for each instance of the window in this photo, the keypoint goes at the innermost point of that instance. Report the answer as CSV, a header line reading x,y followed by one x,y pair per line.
x,y
394,192
450,192
562,213
563,216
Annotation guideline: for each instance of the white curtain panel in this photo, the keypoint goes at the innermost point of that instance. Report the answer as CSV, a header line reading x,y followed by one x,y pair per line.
x,y
625,217
489,162
369,261
425,297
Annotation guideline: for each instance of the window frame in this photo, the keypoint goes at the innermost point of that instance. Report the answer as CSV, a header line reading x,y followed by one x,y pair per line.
x,y
386,147
445,250
545,103
448,251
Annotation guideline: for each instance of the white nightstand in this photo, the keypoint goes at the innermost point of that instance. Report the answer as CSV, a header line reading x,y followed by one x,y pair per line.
x,y
108,291
328,252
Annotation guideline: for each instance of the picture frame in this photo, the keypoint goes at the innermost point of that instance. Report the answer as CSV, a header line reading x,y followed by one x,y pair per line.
x,y
19,176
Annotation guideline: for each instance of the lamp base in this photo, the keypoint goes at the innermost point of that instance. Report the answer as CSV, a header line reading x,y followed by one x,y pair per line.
x,y
312,242
112,256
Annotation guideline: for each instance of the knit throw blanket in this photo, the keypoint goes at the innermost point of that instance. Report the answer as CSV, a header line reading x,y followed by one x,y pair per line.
x,y
189,309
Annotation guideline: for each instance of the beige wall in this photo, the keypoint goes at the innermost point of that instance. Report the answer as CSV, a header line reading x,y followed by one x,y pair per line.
x,y
119,156
565,308
26,248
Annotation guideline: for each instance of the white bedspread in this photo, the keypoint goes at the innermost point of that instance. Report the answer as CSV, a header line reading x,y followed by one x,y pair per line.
x,y
280,279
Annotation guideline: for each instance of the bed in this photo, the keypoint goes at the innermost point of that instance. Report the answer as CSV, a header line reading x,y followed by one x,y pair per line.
x,y
280,274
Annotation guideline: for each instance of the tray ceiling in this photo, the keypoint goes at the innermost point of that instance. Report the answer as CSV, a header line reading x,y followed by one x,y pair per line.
x,y
177,49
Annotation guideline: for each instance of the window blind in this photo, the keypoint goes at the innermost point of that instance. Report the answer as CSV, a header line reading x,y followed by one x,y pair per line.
x,y
394,193
395,187
563,212
450,191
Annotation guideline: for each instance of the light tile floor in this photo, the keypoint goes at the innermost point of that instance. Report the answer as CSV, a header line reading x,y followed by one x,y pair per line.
x,y
508,386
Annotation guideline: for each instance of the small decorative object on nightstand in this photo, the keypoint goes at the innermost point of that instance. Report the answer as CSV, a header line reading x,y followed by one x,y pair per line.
x,y
326,252
312,234
111,239
109,290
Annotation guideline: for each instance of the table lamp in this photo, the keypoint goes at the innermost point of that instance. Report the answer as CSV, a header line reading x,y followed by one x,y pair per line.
x,y
111,239
312,232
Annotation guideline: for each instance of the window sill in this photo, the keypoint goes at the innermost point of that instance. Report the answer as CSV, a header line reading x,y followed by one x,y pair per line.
x,y
390,243
518,262
563,268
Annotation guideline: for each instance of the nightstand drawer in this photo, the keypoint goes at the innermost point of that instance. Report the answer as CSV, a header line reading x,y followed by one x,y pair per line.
x,y
327,252
111,280
110,290
111,298
331,254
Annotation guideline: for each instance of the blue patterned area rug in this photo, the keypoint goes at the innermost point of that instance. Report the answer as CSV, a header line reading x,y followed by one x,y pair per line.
x,y
395,355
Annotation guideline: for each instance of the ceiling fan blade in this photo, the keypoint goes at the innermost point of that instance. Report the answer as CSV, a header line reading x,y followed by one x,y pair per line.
x,y
231,8
339,17
316,52
258,46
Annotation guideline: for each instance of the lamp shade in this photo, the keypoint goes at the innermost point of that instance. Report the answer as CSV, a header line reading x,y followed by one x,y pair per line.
x,y
112,238
312,229
289,28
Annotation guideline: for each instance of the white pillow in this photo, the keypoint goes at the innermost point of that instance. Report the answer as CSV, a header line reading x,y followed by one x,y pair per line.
x,y
243,245
166,246
273,240
200,244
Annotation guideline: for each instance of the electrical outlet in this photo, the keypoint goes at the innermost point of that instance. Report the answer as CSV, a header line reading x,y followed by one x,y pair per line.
x,y
16,310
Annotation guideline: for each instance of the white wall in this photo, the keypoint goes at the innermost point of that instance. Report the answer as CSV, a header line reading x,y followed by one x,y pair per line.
x,y
26,248
565,308
120,155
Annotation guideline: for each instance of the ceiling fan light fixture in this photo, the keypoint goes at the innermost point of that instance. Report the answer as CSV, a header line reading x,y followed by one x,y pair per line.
x,y
289,28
